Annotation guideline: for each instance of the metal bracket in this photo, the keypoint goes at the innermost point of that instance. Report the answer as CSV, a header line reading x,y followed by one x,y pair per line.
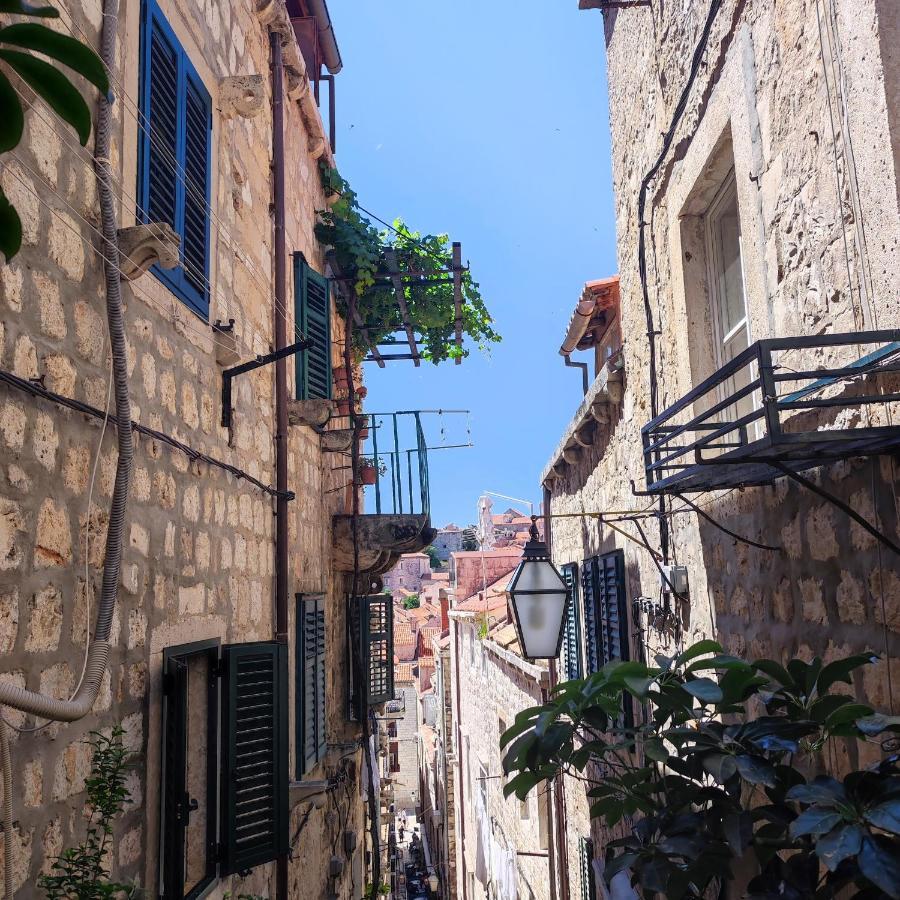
x,y
229,374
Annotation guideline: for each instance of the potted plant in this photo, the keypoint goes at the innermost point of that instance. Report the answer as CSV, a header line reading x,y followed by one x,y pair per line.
x,y
370,469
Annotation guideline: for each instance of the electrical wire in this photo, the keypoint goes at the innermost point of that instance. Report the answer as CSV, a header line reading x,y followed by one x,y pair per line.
x,y
728,531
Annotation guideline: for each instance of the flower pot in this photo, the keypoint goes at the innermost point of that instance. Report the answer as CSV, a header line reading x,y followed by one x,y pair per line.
x,y
364,432
362,391
368,475
340,376
344,406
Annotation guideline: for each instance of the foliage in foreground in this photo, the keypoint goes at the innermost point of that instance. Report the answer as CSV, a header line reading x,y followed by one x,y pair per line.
x,y
47,81
722,774
82,871
411,602
359,249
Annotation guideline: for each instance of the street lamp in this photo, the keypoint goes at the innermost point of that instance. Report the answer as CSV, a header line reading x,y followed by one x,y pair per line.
x,y
539,599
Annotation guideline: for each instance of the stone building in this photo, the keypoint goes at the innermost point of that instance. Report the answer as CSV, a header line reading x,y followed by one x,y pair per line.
x,y
199,601
403,736
409,573
501,846
763,207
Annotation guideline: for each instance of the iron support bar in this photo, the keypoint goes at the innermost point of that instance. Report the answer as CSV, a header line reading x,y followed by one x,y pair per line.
x,y
457,293
229,374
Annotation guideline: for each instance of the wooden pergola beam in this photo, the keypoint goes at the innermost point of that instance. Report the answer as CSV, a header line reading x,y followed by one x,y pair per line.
x,y
390,257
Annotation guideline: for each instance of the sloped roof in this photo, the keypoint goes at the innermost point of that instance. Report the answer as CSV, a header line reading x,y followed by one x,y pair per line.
x,y
403,671
493,597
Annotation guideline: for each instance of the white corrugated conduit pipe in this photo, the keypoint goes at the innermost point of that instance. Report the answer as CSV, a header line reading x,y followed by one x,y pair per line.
x,y
81,703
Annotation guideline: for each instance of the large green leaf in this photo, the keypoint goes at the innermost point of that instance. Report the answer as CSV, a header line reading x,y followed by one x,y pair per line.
x,y
839,844
840,670
755,770
873,725
10,228
880,863
815,820
61,47
704,689
720,765
19,7
823,790
54,87
775,671
698,649
12,122
885,816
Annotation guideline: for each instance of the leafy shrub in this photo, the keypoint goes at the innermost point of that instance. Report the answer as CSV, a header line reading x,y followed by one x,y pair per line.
x,y
722,773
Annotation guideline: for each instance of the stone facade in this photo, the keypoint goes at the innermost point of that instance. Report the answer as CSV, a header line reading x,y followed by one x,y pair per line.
x,y
198,556
404,745
501,844
817,257
409,573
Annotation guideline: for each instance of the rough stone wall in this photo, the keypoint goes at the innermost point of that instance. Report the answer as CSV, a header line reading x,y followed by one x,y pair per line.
x,y
760,100
199,544
445,776
493,690
472,571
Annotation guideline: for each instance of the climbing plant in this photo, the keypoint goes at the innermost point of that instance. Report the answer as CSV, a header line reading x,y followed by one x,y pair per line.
x,y
82,871
723,779
47,81
359,250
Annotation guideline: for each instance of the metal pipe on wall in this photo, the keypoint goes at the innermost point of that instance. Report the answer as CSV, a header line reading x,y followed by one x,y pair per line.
x,y
281,398
559,802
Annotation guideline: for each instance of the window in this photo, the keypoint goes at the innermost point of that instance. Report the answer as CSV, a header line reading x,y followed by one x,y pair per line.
x,y
727,297
309,692
312,313
219,819
372,632
586,867
174,145
395,756
571,647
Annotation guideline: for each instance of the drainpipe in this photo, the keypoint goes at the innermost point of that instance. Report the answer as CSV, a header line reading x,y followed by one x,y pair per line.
x,y
558,792
281,419
461,812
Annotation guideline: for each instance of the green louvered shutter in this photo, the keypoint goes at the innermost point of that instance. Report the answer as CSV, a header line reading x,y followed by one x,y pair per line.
x,y
591,614
310,685
586,865
372,621
312,312
571,648
254,755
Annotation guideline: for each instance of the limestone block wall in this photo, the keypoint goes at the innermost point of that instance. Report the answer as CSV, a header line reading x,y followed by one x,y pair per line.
x,y
199,543
493,691
819,239
406,781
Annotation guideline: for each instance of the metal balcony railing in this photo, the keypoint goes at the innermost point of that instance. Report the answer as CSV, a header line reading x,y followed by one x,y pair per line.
x,y
782,403
402,487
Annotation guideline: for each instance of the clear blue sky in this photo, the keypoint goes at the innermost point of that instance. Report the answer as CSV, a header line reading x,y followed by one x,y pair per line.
x,y
486,119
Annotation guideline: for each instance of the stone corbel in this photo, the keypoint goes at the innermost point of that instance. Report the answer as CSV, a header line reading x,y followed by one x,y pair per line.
x,y
580,440
309,412
600,414
297,83
268,11
570,455
142,246
337,441
316,147
241,95
226,344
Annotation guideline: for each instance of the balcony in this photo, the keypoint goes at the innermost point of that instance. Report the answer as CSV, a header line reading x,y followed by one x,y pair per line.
x,y
783,405
401,522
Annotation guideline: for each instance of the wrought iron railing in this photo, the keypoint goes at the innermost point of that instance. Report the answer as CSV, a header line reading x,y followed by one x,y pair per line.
x,y
401,482
777,404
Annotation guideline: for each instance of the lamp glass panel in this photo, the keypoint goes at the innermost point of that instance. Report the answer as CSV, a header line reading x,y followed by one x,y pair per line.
x,y
540,621
538,575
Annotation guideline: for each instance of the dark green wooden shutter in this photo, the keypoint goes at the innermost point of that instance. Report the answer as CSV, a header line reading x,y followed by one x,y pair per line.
x,y
586,865
312,311
571,648
373,631
591,614
254,755
310,685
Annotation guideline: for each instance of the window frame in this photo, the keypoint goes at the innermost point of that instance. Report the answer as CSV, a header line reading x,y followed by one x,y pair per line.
x,y
362,638
169,819
153,18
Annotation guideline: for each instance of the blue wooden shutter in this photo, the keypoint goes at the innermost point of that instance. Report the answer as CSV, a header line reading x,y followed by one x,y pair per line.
x,y
195,218
571,648
174,162
310,685
312,312
160,135
254,755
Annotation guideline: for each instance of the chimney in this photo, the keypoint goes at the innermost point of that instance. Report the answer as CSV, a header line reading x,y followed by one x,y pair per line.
x,y
445,604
